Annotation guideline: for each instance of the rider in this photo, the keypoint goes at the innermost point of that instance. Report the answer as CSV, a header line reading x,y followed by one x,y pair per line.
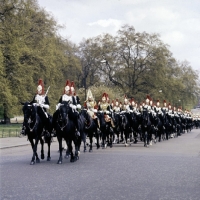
x,y
76,108
126,106
65,97
146,104
42,101
116,106
105,107
92,107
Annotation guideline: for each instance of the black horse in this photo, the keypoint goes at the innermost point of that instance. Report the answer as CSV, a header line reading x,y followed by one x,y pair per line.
x,y
34,129
125,127
106,130
146,127
91,129
116,120
160,126
65,129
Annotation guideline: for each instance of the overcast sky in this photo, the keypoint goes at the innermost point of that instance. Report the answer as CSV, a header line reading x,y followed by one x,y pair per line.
x,y
177,21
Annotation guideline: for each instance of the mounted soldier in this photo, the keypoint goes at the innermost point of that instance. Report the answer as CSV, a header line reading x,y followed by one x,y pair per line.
x,y
41,100
68,98
91,105
104,107
116,106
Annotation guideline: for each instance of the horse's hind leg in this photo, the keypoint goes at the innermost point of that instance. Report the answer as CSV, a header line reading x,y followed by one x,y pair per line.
x,y
49,144
42,148
72,159
97,138
90,137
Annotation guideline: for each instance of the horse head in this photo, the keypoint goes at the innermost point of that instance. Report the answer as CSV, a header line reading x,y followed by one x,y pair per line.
x,y
145,118
27,111
64,110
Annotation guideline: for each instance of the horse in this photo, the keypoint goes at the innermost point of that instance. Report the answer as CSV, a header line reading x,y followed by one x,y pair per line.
x,y
91,129
146,127
159,126
125,126
105,128
134,119
65,129
81,128
116,120
34,129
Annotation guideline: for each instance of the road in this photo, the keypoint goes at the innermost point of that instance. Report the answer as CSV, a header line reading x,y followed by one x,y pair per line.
x,y
169,170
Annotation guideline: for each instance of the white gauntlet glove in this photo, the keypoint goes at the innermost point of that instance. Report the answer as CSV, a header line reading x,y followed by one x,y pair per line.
x,y
45,106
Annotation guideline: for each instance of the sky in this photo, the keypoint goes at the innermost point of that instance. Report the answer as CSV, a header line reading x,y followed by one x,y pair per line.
x,y
176,21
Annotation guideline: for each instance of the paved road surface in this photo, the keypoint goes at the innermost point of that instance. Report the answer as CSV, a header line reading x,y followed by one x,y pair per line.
x,y
169,170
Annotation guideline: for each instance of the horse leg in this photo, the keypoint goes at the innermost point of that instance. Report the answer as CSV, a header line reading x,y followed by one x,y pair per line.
x,y
97,138
60,150
67,150
111,139
49,144
32,145
42,148
35,153
71,151
126,138
90,137
145,138
104,140
84,142
135,137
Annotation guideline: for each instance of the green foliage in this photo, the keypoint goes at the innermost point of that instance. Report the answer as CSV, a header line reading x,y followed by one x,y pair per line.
x,y
137,63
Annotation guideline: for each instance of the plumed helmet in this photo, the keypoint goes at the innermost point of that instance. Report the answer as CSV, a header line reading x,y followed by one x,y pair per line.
x,y
67,85
72,86
116,102
147,98
40,86
104,96
125,99
89,95
107,97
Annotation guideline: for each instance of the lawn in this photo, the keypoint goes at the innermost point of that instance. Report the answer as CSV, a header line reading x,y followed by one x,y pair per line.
x,y
10,130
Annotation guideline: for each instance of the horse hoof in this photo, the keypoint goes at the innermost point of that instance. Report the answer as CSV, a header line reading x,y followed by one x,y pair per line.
x,y
48,158
59,162
71,160
90,150
32,163
42,156
38,160
79,153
